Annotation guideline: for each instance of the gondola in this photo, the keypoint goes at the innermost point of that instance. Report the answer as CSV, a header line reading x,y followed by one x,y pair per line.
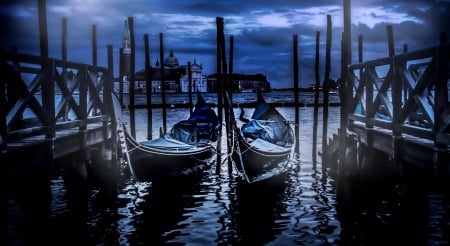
x,y
263,144
183,150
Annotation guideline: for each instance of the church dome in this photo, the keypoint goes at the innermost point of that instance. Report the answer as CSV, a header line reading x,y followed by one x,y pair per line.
x,y
171,61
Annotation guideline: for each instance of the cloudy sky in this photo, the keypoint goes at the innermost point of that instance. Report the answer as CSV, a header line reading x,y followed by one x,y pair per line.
x,y
263,30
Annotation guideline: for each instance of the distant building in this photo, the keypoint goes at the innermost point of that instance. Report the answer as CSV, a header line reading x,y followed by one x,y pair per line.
x,y
125,62
198,80
243,82
176,77
172,74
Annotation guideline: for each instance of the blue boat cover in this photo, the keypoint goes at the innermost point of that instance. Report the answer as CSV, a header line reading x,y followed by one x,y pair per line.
x,y
268,124
201,127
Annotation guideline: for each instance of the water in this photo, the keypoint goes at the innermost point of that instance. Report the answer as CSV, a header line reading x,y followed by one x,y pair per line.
x,y
211,209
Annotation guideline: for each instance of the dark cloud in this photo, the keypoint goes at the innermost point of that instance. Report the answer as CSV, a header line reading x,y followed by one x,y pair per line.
x,y
263,30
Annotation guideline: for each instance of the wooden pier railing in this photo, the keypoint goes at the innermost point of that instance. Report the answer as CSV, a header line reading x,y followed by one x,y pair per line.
x,y
43,97
403,99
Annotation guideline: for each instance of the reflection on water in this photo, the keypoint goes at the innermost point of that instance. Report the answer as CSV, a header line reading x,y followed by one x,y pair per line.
x,y
216,209
162,207
256,211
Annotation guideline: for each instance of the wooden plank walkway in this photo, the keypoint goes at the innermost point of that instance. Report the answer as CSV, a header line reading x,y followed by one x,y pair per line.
x,y
37,150
413,150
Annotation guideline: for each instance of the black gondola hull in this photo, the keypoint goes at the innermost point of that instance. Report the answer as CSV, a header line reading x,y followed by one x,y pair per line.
x,y
263,145
153,164
259,164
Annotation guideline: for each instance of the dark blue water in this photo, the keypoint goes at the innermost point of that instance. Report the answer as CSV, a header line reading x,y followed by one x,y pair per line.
x,y
298,208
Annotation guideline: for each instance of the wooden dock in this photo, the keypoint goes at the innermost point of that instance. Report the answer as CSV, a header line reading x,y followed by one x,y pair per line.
x,y
397,109
55,114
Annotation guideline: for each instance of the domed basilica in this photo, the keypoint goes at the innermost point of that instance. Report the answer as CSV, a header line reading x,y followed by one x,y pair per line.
x,y
176,76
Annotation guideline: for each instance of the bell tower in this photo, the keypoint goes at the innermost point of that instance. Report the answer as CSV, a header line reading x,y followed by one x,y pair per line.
x,y
126,52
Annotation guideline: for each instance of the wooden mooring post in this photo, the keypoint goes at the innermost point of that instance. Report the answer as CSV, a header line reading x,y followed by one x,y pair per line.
x,y
191,105
94,45
229,89
345,87
131,79
163,83
316,97
121,68
148,85
219,87
326,89
43,35
296,96
224,89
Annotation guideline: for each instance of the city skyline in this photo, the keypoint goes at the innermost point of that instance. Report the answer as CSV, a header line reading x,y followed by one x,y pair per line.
x,y
262,31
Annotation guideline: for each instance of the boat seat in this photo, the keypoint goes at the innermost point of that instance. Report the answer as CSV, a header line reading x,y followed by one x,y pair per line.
x,y
268,146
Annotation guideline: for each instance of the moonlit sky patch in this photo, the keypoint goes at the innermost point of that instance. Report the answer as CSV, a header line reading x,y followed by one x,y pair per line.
x,y
378,15
262,30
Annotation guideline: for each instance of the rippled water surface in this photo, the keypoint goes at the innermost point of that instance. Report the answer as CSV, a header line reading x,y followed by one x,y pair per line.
x,y
205,208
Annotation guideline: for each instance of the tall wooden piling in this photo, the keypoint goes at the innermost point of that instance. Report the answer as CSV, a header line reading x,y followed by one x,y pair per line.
x,y
296,96
163,83
48,102
190,88
148,86
107,98
94,54
230,111
345,88
107,94
230,67
390,37
360,56
219,24
343,109
43,35
224,88
316,97
345,91
47,97
326,88
121,62
94,45
361,71
360,50
64,39
367,159
405,87
347,31
347,152
131,79
64,58
396,99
